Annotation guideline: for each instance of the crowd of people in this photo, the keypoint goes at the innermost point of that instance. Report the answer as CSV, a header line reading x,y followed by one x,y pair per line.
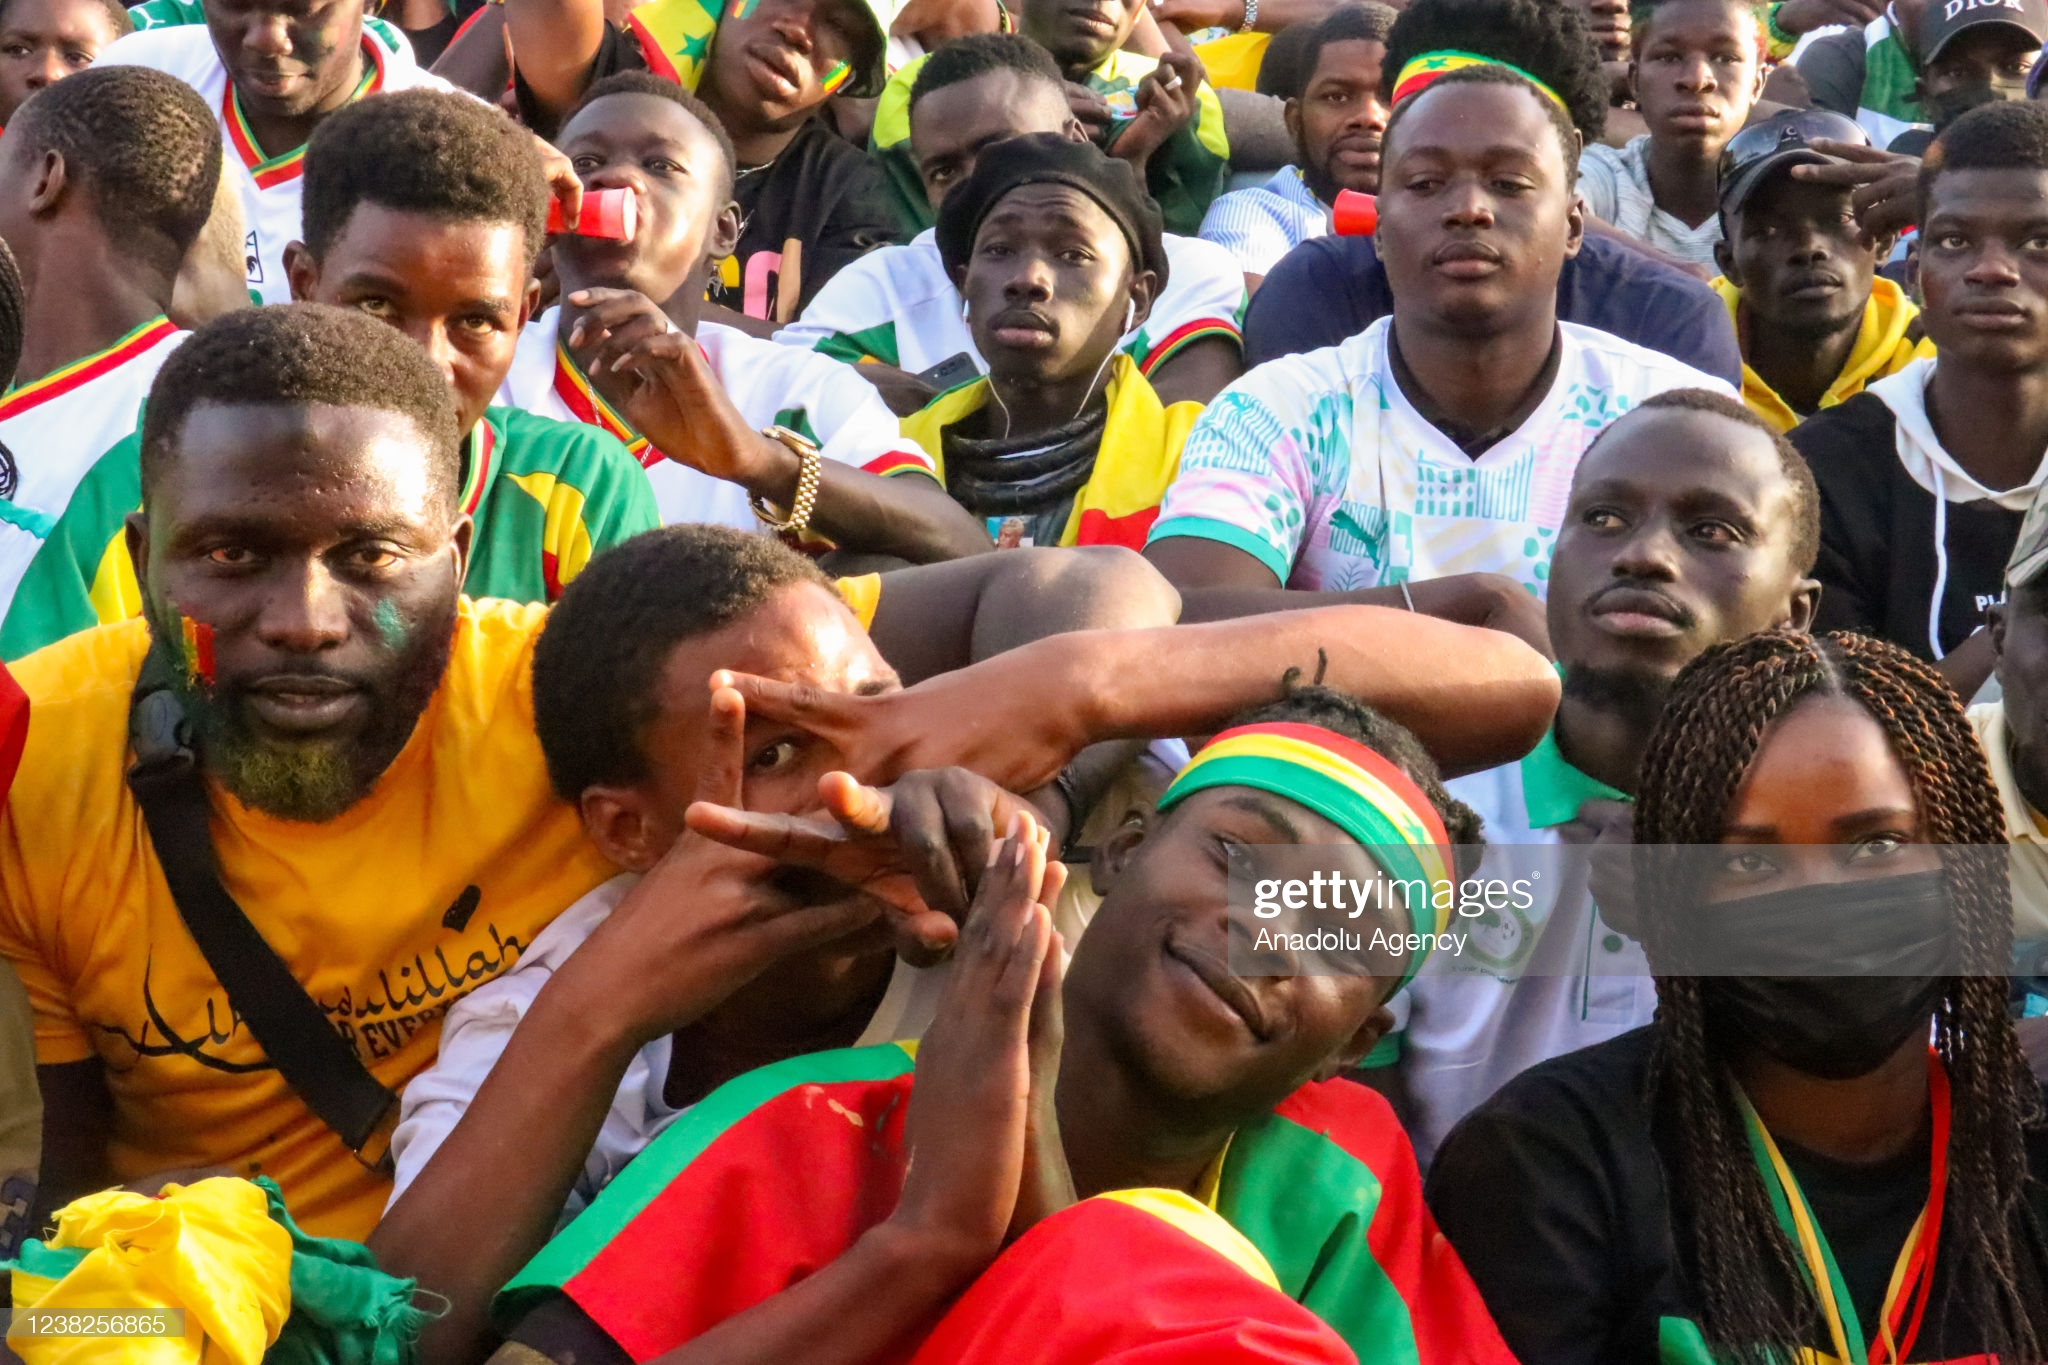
x,y
641,646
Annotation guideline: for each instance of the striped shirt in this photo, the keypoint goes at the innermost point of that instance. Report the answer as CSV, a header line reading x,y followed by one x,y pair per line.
x,y
1260,225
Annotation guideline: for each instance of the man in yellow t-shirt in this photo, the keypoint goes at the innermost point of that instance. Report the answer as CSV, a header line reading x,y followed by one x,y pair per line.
x,y
380,808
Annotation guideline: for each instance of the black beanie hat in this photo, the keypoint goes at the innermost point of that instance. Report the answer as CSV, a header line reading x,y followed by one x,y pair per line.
x,y
1050,159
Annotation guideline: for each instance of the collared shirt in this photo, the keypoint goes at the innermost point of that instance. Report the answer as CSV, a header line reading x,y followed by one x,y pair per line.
x,y
1261,224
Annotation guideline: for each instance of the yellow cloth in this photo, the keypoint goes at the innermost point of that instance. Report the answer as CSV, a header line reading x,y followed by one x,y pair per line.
x,y
1134,466
1233,61
2022,825
1882,348
430,886
862,593
210,1248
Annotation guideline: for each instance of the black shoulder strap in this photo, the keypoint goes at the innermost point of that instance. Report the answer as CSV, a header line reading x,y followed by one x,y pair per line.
x,y
313,1057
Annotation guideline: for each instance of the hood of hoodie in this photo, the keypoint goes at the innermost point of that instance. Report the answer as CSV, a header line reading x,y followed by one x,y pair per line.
x,y
1882,347
1921,452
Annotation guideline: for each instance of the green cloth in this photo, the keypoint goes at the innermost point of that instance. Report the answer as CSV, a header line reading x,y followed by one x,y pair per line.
x,y
553,494
1184,174
1553,790
345,1311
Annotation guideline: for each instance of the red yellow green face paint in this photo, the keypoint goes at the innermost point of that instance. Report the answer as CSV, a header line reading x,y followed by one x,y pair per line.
x,y
197,640
835,76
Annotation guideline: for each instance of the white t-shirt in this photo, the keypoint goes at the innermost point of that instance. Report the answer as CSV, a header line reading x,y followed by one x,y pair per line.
x,y
1615,183
771,385
1319,467
55,429
269,186
897,305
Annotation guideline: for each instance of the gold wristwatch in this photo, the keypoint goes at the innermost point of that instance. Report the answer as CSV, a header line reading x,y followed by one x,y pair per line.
x,y
812,470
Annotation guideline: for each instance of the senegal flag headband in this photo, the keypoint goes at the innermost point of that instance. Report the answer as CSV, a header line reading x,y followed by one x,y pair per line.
x,y
1420,71
1355,789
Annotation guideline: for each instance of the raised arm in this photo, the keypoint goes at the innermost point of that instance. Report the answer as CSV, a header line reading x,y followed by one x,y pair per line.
x,y
554,43
1475,697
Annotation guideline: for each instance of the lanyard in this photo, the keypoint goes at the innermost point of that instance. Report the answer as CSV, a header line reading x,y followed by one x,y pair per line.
x,y
1912,1280
589,406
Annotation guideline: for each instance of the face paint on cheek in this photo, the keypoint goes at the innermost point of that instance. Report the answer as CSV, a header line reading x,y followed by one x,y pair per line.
x,y
837,75
196,639
742,9
390,625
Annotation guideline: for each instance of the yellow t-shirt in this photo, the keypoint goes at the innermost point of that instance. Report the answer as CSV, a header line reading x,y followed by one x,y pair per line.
x,y
430,886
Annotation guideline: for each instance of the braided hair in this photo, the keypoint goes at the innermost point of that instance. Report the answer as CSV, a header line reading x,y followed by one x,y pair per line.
x,y
1713,724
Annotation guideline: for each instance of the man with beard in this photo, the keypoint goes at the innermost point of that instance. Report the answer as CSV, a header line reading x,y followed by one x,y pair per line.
x,y
1691,523
1816,321
271,71
1337,115
379,804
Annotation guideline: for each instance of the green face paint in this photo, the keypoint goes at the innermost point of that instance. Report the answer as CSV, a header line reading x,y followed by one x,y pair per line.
x,y
390,625
742,9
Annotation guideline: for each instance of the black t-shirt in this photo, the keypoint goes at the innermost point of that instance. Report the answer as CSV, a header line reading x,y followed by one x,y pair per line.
x,y
1331,288
821,194
1878,564
1555,1194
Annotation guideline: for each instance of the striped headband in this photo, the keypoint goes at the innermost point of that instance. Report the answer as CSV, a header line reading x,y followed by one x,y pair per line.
x,y
1359,791
1418,72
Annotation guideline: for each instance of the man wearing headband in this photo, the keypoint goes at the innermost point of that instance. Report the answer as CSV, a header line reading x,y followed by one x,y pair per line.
x,y
1176,1085
1440,442
1057,251
1333,288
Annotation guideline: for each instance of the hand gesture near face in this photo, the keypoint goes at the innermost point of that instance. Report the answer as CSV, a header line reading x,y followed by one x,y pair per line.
x,y
1166,104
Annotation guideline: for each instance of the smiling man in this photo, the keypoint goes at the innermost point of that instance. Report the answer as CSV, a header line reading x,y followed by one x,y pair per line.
x,y
271,70
1691,523
301,551
1925,476
1441,441
1817,323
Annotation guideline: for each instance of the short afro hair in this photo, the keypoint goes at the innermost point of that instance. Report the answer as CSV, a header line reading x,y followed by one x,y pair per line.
x,y
146,146
662,88
1567,137
2010,135
1341,713
978,54
1546,38
1805,492
598,664
423,151
302,354
1369,22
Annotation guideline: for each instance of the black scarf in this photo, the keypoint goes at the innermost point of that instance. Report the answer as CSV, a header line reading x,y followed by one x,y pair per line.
x,y
1011,475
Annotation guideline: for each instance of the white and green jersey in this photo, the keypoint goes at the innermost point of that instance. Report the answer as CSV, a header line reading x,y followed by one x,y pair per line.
x,y
55,432
820,399
269,185
897,305
1319,467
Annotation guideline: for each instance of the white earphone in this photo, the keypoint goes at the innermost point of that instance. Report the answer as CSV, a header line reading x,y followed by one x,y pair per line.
x,y
1131,315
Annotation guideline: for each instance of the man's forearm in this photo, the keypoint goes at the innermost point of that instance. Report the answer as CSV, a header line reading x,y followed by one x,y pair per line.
x,y
554,43
1489,600
1474,697
908,516
488,1199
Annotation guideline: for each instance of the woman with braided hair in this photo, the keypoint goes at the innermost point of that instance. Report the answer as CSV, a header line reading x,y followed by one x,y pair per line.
x,y
1781,1168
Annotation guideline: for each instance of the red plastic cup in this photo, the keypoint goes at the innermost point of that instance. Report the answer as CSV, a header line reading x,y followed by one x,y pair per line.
x,y
606,213
1354,214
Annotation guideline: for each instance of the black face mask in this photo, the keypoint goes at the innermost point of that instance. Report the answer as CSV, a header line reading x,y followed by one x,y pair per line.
x,y
1884,947
1943,109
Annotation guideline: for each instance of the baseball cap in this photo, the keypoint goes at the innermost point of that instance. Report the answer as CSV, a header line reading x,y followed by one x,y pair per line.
x,y
1944,19
1784,139
2029,562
